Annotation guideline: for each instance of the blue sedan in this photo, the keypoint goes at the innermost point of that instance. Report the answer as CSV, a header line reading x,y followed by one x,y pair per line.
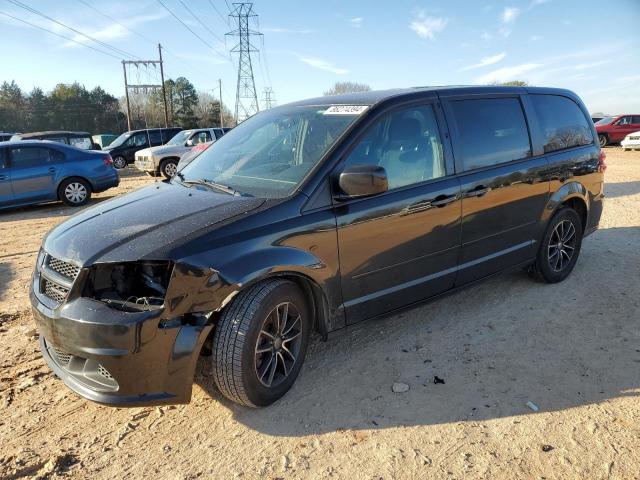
x,y
40,171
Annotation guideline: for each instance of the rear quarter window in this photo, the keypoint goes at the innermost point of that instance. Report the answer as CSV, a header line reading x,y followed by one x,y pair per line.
x,y
491,131
155,136
562,122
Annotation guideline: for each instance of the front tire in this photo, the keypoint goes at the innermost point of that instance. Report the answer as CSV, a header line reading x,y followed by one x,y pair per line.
x,y
74,192
119,162
260,342
169,167
603,140
560,247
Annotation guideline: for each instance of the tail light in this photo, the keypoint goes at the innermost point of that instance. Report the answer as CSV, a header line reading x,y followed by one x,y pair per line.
x,y
602,166
107,160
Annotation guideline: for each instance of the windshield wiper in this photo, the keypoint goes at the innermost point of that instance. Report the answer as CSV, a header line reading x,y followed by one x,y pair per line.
x,y
216,186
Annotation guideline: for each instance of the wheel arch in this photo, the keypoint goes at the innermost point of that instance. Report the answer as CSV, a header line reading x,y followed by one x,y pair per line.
x,y
572,194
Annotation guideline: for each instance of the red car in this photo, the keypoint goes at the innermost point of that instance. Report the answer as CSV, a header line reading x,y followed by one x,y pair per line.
x,y
614,129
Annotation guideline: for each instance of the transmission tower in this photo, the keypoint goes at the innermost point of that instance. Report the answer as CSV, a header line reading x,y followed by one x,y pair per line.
x,y
246,97
269,99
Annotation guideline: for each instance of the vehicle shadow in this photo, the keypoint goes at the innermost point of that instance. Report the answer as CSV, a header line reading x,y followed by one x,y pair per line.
x,y
48,210
497,346
7,273
621,189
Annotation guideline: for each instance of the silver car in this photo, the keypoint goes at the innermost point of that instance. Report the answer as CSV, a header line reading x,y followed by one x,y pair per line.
x,y
164,158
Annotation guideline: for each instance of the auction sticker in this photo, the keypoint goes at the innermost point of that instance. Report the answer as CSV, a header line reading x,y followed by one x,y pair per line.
x,y
345,109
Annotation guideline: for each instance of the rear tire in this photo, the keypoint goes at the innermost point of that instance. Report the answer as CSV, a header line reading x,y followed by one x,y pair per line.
x,y
119,162
603,140
169,167
260,342
74,192
560,247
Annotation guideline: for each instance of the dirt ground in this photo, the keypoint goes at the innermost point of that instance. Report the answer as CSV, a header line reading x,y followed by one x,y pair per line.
x,y
573,349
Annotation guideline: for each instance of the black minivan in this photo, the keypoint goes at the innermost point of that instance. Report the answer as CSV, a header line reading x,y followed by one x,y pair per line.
x,y
310,217
123,149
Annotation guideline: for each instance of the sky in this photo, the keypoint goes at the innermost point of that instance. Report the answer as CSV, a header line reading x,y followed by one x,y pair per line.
x,y
589,46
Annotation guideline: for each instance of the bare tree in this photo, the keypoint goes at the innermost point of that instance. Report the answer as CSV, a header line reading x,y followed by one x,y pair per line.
x,y
347,87
513,83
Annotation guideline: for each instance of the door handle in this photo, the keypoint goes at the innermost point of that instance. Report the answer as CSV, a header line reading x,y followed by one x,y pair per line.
x,y
479,191
443,200
3,177
417,207
52,169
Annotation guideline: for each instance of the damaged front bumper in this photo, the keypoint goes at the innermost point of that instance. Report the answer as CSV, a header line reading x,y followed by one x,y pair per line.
x,y
122,357
119,358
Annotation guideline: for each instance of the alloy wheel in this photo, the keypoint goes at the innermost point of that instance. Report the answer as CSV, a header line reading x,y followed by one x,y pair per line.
x,y
602,140
119,162
562,245
75,192
278,344
171,169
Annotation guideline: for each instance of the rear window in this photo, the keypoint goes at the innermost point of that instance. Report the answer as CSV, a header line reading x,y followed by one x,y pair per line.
x,y
81,142
562,122
492,131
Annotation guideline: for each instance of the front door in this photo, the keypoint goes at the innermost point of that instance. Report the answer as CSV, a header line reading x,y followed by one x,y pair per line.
x,y
504,188
401,246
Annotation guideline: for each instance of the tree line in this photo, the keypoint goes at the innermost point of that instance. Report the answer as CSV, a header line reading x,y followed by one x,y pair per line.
x,y
73,107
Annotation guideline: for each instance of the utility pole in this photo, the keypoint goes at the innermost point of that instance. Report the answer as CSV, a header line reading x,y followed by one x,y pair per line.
x,y
220,99
126,93
246,97
164,93
145,87
269,100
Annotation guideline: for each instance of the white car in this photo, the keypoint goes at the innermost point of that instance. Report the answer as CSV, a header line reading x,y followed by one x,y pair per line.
x,y
164,159
631,141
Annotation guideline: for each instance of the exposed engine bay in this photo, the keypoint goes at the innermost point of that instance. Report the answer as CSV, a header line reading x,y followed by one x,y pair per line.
x,y
130,286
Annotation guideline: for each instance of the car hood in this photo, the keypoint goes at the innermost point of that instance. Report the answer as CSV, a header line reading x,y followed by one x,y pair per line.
x,y
146,223
164,150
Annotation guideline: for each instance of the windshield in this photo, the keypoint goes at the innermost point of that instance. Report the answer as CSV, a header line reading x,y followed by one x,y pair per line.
x,y
120,140
604,121
180,137
270,154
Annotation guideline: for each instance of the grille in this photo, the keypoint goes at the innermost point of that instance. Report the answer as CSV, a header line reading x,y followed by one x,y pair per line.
x,y
104,372
634,138
63,268
63,357
54,291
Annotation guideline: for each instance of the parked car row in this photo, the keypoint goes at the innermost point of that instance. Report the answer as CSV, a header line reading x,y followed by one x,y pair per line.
x,y
35,172
310,217
164,159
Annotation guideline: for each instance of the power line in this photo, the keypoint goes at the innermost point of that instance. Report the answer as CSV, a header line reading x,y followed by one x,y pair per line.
x,y
144,37
201,22
99,42
189,28
59,35
224,20
100,12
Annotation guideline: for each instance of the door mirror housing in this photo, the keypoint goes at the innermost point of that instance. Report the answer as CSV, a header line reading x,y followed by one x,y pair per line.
x,y
363,180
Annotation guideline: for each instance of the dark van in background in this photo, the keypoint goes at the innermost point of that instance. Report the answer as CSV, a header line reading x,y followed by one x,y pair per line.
x,y
310,217
124,148
80,140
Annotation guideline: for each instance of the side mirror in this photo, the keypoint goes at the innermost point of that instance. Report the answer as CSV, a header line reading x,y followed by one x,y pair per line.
x,y
363,180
